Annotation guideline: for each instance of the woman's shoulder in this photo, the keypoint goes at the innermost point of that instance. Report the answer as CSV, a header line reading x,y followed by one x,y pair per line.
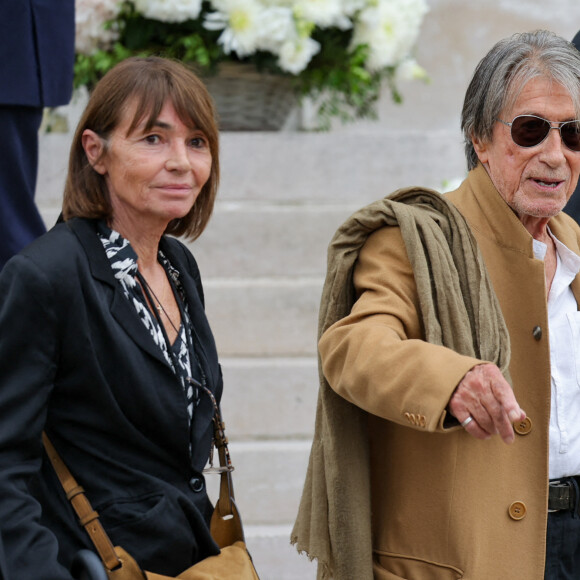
x,y
56,252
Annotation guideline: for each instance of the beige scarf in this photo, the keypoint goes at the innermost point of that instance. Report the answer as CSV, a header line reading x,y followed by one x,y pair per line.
x,y
459,310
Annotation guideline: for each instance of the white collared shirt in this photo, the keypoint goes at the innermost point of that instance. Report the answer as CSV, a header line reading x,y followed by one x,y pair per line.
x,y
564,331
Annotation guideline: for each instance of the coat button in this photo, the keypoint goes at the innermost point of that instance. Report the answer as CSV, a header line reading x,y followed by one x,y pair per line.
x,y
523,427
196,484
537,332
517,510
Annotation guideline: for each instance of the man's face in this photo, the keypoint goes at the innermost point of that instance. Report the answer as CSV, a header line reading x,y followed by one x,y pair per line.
x,y
535,181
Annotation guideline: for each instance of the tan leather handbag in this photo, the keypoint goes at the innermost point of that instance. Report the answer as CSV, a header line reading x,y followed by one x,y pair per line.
x,y
232,563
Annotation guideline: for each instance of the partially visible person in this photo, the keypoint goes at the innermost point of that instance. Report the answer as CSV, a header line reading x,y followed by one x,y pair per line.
x,y
3,569
104,342
573,206
447,440
36,71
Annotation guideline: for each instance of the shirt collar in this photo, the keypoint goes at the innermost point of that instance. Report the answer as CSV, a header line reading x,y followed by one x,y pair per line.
x,y
568,261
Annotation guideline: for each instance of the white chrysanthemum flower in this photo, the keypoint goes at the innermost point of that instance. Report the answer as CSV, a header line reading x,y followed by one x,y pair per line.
x,y
169,10
295,56
241,22
390,28
278,27
323,13
349,7
90,18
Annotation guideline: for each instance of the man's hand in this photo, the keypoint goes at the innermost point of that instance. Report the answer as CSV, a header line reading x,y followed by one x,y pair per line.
x,y
487,397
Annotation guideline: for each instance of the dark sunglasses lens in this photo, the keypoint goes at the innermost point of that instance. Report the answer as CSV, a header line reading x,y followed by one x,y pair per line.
x,y
528,131
571,135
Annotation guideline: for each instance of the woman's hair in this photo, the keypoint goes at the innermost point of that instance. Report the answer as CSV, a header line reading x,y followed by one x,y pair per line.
x,y
504,71
149,82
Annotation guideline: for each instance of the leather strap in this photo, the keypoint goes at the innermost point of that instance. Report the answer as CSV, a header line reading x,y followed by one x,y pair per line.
x,y
88,517
226,523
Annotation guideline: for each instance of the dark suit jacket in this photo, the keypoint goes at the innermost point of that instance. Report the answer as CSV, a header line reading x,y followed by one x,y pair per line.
x,y
76,361
36,52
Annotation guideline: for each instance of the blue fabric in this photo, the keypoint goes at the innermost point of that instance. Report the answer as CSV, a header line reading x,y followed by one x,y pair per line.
x,y
36,52
36,71
20,222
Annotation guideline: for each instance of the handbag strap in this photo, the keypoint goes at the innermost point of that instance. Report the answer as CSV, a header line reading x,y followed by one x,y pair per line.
x,y
88,517
226,523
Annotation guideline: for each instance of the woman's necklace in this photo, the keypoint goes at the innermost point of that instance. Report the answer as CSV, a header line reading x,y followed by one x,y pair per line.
x,y
158,305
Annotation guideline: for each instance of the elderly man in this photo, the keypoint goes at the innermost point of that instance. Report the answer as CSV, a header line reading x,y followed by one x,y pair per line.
x,y
443,318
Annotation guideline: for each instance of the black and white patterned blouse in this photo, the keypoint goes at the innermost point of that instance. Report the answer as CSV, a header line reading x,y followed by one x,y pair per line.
x,y
181,355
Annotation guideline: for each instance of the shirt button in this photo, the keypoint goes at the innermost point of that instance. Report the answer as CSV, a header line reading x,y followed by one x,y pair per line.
x,y
517,510
523,427
196,484
537,332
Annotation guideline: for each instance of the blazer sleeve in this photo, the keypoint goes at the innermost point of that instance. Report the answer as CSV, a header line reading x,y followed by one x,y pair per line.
x,y
28,353
377,357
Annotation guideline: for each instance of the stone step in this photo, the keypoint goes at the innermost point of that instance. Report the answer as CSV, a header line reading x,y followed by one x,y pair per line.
x,y
325,168
274,557
303,168
269,398
260,239
264,317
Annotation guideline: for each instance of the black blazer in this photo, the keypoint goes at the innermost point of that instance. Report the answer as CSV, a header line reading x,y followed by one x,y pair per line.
x,y
76,361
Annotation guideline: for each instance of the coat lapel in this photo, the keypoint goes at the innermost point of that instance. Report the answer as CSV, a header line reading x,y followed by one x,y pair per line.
x,y
121,309
560,226
503,226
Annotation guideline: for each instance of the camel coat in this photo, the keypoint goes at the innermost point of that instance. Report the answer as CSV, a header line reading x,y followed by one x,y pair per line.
x,y
446,505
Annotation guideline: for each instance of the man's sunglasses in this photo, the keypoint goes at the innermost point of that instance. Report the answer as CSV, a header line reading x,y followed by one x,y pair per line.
x,y
529,130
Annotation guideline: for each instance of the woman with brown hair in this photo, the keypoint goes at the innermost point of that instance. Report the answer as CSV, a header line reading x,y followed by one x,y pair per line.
x,y
104,343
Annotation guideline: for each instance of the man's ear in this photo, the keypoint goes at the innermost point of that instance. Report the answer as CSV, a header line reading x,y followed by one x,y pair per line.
x,y
481,149
94,147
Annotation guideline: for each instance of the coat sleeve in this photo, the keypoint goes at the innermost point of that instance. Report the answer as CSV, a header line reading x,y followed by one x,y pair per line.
x,y
28,354
377,357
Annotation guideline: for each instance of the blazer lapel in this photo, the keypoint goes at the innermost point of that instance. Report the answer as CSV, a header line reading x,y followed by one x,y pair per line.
x,y
121,309
569,237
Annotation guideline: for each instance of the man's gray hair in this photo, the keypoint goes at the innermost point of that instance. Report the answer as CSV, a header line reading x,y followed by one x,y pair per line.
x,y
503,73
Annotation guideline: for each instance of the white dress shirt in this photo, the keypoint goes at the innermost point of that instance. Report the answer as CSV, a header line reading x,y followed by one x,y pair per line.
x,y
564,331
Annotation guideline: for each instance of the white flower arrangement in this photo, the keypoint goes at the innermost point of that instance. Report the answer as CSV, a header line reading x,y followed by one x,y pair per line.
x,y
90,23
343,48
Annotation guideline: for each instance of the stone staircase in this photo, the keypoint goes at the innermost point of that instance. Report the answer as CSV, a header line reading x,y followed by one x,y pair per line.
x,y
263,255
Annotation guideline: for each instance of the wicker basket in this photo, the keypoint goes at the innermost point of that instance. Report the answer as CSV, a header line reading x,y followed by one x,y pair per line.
x,y
247,100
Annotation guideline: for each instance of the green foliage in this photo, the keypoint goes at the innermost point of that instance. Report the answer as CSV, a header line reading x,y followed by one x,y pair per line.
x,y
347,90
336,78
138,36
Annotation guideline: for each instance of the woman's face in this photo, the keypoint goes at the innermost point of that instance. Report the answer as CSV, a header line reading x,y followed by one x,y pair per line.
x,y
153,176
